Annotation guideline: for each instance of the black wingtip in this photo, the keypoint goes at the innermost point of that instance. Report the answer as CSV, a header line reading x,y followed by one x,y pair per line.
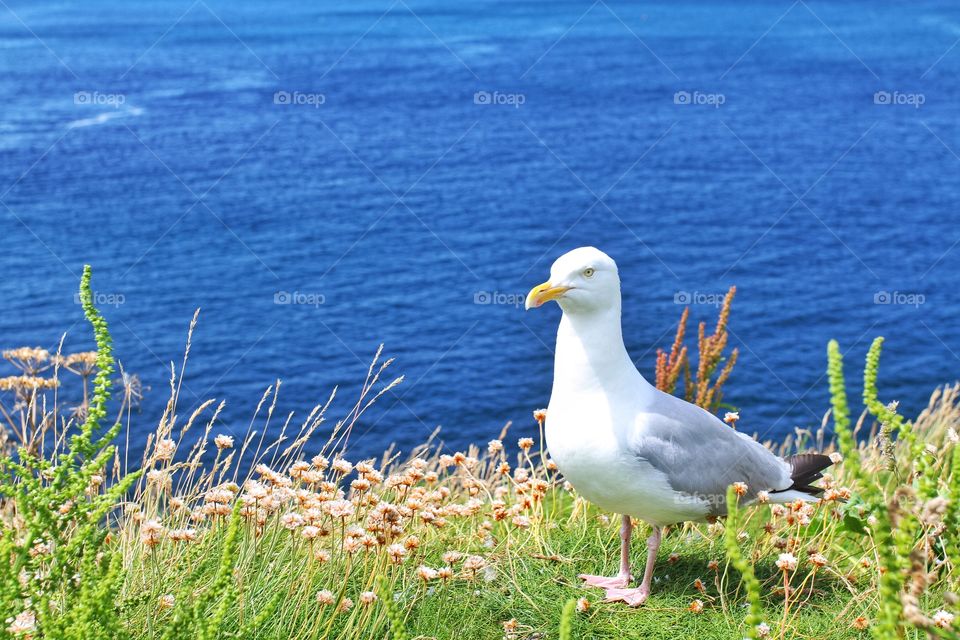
x,y
805,469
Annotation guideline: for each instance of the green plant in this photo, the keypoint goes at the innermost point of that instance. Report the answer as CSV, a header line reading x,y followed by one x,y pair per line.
x,y
741,564
61,571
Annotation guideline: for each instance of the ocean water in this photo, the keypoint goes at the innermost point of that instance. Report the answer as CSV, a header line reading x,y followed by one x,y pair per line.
x,y
321,178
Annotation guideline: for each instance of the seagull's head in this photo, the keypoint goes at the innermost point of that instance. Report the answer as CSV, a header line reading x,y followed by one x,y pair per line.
x,y
581,281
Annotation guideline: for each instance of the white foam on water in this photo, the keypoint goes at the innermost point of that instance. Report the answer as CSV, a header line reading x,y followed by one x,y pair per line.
x,y
102,118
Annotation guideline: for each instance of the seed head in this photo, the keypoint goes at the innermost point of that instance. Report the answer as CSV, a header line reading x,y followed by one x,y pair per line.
x,y
943,619
787,562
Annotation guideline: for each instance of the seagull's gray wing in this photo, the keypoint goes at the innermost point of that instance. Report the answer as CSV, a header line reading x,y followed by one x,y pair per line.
x,y
702,456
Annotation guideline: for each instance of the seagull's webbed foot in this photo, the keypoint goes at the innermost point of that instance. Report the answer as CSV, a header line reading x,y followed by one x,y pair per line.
x,y
633,597
619,581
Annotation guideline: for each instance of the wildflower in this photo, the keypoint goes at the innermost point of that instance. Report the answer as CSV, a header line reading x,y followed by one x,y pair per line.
x,y
763,497
151,532
159,477
368,598
713,565
310,532
818,560
182,535
494,447
444,573
291,520
474,564
763,630
740,488
321,555
360,485
319,462
346,604
943,619
341,466
11,383
540,415
715,528
743,536
452,557
165,449
412,543
459,458
583,605
696,606
521,521
933,511
25,622
525,443
223,441
167,601
325,597
698,585
551,465
256,490
787,562
836,457
426,574
861,623
731,417
397,553
510,625
673,558
339,508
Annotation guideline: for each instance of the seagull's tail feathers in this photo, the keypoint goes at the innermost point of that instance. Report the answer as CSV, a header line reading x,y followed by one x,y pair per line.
x,y
805,469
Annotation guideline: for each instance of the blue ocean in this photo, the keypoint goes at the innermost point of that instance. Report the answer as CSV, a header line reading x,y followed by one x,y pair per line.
x,y
322,178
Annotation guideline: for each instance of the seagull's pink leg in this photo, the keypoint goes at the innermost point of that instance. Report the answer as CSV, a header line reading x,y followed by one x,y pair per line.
x,y
622,579
636,597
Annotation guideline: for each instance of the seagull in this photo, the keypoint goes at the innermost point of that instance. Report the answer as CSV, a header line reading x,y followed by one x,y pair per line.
x,y
632,449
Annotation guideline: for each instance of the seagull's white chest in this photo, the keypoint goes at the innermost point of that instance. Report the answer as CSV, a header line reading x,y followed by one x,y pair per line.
x,y
582,438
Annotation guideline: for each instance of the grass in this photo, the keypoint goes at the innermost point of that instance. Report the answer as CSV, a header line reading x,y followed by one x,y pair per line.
x,y
215,537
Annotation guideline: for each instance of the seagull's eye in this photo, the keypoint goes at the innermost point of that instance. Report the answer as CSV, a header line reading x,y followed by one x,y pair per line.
x,y
588,272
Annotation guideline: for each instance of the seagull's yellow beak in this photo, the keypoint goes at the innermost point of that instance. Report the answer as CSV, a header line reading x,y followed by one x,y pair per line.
x,y
544,293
